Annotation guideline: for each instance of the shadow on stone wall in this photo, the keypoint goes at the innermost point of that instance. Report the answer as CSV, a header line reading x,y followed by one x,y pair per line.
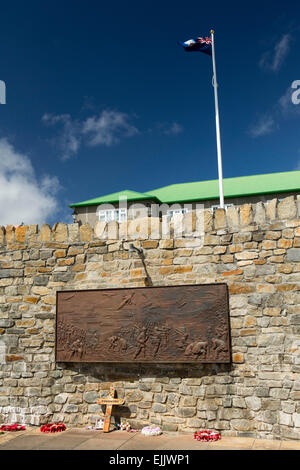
x,y
131,373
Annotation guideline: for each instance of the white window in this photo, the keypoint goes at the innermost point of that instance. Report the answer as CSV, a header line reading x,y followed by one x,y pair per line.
x,y
213,208
173,212
109,215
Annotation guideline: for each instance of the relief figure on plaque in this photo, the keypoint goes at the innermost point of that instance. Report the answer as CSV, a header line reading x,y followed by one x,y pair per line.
x,y
141,340
126,301
196,349
159,338
117,344
91,340
156,340
219,345
181,339
77,348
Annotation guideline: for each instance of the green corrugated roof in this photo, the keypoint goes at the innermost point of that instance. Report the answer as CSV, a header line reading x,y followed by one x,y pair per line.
x,y
204,190
113,197
232,187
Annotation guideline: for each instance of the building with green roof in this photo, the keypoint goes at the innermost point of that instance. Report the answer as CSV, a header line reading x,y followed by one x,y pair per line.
x,y
181,197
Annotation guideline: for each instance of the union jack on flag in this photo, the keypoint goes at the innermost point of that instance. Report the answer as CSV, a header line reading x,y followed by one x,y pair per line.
x,y
200,44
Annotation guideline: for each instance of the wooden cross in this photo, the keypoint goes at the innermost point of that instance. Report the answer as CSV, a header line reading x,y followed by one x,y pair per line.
x,y
109,402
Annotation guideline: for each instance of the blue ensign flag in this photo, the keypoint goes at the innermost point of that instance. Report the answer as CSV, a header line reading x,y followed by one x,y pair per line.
x,y
199,44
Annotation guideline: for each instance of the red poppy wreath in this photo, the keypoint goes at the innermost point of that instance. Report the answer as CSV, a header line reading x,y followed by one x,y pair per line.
x,y
12,427
207,436
53,427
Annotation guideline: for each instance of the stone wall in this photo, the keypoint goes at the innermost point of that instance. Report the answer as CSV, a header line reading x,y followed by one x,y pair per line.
x,y
254,248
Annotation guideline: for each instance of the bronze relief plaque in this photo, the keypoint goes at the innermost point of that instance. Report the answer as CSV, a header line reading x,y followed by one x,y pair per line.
x,y
187,323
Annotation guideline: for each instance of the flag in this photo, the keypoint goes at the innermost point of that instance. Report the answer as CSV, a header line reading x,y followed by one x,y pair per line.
x,y
199,44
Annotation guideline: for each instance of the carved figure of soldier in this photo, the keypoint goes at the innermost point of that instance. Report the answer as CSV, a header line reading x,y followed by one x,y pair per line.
x,y
141,339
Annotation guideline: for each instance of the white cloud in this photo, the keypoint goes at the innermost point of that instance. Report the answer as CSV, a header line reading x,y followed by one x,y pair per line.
x,y
264,125
273,59
283,109
22,197
171,129
108,128
286,107
68,141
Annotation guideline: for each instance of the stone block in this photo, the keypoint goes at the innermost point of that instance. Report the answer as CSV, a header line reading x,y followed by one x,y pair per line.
x,y
169,427
134,396
41,280
208,220
6,323
211,240
10,234
91,397
220,219
144,404
100,230
60,232
139,229
113,230
189,401
293,254
63,276
159,408
21,232
4,273
233,216
254,403
242,425
86,233
246,255
155,228
33,234
66,261
185,412
193,223
287,208
61,398
2,235
271,209
242,237
260,213
31,299
296,420
73,231
240,288
238,358
69,408
246,214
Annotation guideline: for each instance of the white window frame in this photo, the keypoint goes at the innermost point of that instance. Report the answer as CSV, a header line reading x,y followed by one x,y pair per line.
x,y
113,215
173,212
216,206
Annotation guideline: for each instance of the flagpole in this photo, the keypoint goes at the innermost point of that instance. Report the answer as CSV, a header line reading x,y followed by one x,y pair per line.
x,y
215,85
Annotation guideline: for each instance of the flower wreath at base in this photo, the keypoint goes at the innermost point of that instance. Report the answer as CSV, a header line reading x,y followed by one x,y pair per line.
x,y
12,427
207,436
53,427
125,427
151,431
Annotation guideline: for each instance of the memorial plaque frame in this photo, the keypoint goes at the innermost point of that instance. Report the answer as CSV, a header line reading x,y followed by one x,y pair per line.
x,y
187,323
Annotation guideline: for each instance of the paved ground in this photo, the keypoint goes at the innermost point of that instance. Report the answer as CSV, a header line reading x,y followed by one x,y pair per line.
x,y
83,439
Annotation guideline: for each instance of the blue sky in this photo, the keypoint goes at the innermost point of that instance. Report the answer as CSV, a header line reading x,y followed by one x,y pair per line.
x,y
100,98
